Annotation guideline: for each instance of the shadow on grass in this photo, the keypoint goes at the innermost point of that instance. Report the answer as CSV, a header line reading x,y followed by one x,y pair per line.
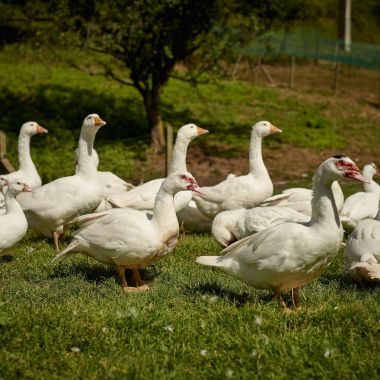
x,y
215,289
6,259
97,273
62,108
345,283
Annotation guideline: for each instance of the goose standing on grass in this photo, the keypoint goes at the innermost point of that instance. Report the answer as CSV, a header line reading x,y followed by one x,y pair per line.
x,y
362,252
299,199
143,197
286,256
13,224
49,207
361,205
232,225
27,171
133,239
245,191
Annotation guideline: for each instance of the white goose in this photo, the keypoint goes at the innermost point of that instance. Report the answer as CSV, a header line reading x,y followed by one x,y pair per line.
x,y
111,184
142,197
13,224
49,207
134,239
362,253
27,171
299,198
241,191
361,205
232,225
288,255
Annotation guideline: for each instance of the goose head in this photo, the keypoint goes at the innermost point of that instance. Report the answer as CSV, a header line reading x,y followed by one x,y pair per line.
x,y
92,123
31,128
16,187
180,181
337,167
265,128
370,170
190,131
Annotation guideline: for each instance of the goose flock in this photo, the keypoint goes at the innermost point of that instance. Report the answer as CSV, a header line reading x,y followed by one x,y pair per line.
x,y
273,242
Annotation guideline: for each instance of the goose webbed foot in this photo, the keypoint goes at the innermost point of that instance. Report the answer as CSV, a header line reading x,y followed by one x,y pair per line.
x,y
140,284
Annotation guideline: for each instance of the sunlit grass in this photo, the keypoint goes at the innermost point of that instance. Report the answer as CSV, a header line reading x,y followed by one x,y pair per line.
x,y
73,320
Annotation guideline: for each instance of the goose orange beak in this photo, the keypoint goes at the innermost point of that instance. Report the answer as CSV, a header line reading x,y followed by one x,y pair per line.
x,y
41,129
274,129
99,122
202,131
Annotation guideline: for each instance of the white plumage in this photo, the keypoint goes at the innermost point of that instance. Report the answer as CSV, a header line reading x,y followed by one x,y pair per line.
x,y
129,238
13,224
27,171
245,191
288,255
362,252
299,199
361,205
142,197
49,207
229,226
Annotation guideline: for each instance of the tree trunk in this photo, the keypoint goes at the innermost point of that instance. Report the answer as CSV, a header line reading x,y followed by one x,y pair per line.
x,y
151,103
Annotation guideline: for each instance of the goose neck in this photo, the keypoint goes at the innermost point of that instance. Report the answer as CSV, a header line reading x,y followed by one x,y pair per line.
x,y
164,215
178,161
11,203
323,206
371,187
86,164
24,157
256,163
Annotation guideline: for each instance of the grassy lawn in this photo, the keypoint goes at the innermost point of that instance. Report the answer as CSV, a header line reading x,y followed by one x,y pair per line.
x,y
72,320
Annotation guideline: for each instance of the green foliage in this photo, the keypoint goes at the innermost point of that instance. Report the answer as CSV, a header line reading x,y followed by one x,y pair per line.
x,y
72,320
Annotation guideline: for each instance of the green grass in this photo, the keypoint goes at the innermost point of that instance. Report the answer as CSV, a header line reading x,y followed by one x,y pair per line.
x,y
72,320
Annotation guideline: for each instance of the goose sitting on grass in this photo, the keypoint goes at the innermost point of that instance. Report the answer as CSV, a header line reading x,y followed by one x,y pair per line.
x,y
13,224
299,199
133,239
286,256
245,191
362,252
232,225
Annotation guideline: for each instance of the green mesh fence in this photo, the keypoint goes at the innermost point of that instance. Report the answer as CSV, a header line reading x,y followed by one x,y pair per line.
x,y
315,47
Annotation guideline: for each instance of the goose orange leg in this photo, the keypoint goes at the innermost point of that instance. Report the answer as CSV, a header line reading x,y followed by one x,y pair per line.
x,y
281,301
296,298
140,284
55,239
